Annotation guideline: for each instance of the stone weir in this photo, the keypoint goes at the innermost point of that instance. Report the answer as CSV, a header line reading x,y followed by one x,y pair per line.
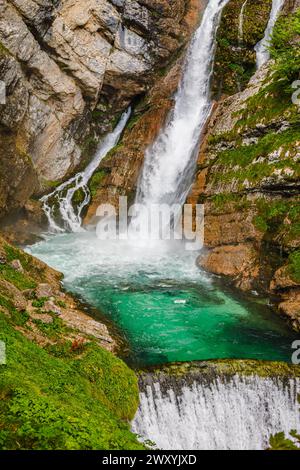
x,y
217,405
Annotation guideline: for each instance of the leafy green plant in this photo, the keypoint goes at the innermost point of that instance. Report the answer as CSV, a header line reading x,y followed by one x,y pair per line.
x,y
64,401
39,303
279,441
285,48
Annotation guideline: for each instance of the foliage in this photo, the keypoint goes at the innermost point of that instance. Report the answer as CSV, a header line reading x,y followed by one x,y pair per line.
x,y
274,213
285,48
96,180
280,442
294,265
235,56
20,280
64,401
39,303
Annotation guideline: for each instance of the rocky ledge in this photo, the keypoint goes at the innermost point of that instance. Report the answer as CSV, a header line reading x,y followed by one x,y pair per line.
x,y
177,375
31,297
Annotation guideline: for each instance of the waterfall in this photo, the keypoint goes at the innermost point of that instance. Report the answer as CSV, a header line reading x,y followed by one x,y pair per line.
x,y
261,49
170,161
241,23
240,413
63,194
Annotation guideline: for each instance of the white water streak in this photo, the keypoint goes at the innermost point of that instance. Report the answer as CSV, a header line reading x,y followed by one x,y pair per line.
x,y
241,23
62,197
241,414
261,49
169,162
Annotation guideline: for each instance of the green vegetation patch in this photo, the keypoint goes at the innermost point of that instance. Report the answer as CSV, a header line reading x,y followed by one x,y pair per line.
x,y
235,60
294,265
20,280
50,402
273,214
96,181
285,48
251,162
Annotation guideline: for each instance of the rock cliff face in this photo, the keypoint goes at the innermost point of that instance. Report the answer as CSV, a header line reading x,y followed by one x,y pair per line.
x,y
118,173
248,179
69,68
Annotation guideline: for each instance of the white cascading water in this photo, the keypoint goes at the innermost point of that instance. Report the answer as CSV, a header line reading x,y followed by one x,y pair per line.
x,y
241,23
170,160
261,48
63,194
239,414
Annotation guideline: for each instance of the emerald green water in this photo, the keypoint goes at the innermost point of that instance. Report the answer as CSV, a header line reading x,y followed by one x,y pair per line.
x,y
166,307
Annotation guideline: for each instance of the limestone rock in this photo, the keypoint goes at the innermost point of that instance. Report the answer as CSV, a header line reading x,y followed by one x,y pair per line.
x,y
50,306
60,61
43,290
17,266
282,280
229,260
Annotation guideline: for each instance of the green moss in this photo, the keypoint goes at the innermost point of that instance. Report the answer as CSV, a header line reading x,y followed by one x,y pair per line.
x,y
48,184
223,200
52,402
88,149
285,48
226,367
20,280
39,303
13,253
251,163
235,59
16,318
78,197
133,121
53,330
294,265
96,181
279,220
3,50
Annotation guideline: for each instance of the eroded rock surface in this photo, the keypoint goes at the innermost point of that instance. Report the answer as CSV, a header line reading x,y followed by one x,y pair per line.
x,y
69,68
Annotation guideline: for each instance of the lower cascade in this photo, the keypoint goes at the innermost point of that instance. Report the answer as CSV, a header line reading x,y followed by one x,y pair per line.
x,y
240,413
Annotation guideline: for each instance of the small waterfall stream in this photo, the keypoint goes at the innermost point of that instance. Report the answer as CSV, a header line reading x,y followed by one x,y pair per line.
x,y
63,194
236,414
261,49
241,23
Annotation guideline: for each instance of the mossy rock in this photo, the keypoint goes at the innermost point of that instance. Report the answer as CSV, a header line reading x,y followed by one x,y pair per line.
x,y
235,59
